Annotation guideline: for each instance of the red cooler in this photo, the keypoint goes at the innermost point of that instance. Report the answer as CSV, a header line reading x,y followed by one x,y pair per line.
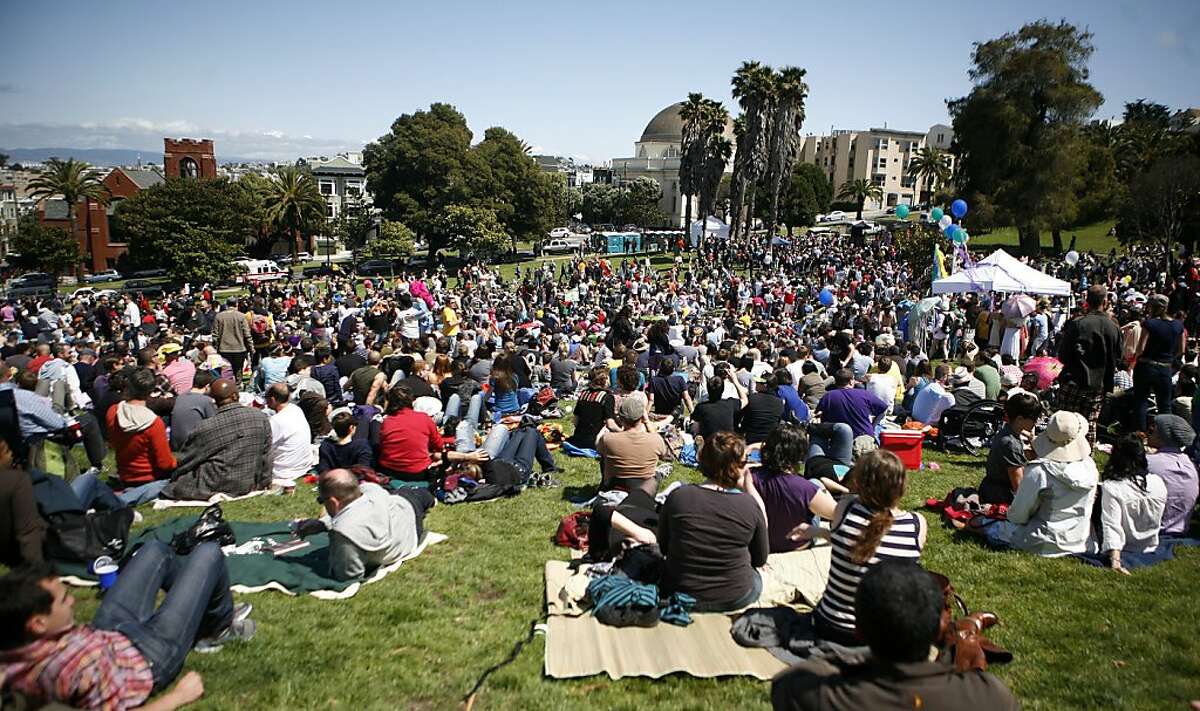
x,y
905,444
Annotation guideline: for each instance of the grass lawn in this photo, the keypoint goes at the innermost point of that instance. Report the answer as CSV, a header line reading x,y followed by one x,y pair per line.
x,y
1084,638
1093,237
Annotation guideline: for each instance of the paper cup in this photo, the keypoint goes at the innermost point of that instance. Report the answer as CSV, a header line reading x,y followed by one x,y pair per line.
x,y
107,573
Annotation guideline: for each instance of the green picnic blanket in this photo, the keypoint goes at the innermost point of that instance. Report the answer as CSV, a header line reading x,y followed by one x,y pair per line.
x,y
301,571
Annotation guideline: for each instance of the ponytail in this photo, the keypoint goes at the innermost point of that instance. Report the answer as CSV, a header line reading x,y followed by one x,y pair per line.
x,y
864,549
878,479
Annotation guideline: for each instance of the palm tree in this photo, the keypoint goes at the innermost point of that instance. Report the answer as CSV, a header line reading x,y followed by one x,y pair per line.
x,y
294,204
930,165
73,181
753,88
786,118
691,155
718,149
860,190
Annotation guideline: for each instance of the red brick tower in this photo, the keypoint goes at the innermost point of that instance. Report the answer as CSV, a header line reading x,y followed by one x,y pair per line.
x,y
189,158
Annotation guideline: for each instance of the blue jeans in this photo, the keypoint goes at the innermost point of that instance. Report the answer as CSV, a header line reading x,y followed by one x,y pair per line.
x,y
95,494
197,604
831,439
523,446
464,434
137,495
749,598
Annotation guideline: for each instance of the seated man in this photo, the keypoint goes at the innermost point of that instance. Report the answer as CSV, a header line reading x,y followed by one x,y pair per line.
x,y
139,437
291,437
898,608
368,527
850,406
935,399
628,458
191,408
229,453
131,650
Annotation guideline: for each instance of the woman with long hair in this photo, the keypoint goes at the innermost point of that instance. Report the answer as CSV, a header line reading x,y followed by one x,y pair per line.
x,y
406,442
867,527
714,534
503,384
788,497
594,410
1132,501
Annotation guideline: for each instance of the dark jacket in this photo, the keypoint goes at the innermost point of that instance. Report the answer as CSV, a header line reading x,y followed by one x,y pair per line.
x,y
818,684
22,529
1089,351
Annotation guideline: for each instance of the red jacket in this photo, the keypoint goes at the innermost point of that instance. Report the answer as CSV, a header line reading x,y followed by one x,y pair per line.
x,y
142,456
406,440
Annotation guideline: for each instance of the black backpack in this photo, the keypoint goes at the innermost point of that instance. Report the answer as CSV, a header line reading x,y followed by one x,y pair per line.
x,y
74,537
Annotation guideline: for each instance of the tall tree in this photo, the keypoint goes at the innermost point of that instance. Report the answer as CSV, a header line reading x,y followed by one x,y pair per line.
x,y
1012,131
787,116
716,150
73,181
421,167
394,240
1163,201
471,227
691,152
859,190
508,180
753,88
807,195
931,166
294,205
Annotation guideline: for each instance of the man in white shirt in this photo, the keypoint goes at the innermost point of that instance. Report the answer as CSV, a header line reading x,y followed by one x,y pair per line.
x,y
291,437
934,399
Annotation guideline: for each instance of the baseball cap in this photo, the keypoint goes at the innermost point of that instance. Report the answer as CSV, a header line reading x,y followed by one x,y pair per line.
x,y
631,409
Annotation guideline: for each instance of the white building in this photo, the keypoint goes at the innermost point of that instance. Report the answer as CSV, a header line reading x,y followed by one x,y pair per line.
x,y
881,155
656,156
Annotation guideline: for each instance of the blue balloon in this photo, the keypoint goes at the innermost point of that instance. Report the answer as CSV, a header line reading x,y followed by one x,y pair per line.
x,y
959,208
949,231
825,297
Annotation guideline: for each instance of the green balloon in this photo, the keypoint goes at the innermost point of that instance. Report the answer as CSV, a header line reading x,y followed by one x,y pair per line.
x,y
902,212
936,214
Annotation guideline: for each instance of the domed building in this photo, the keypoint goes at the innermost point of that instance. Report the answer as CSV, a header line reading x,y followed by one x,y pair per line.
x,y
656,156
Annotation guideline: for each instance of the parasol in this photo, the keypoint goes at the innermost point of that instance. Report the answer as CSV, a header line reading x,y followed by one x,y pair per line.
x,y
1018,306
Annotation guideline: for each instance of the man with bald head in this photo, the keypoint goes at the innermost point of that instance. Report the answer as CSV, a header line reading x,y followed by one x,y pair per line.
x,y
368,527
291,437
228,453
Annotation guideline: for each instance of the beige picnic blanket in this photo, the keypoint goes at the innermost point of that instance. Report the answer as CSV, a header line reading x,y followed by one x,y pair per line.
x,y
161,504
577,645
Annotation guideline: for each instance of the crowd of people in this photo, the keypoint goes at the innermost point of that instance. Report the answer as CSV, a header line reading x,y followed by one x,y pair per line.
x,y
777,394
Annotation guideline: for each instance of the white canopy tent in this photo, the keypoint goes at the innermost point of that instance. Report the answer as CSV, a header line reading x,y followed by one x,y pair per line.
x,y
711,227
1002,272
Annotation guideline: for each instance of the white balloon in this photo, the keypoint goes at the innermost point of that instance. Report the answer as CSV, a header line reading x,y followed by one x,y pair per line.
x,y
1072,257
945,222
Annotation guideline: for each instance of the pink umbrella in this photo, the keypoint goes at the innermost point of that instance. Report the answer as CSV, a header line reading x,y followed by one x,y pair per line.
x,y
1047,369
1018,306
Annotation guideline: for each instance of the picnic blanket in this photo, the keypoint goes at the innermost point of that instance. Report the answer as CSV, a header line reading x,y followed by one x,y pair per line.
x,y
578,645
160,504
301,571
1131,560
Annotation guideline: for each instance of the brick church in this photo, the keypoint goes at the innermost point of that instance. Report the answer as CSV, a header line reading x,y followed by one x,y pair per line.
x,y
182,158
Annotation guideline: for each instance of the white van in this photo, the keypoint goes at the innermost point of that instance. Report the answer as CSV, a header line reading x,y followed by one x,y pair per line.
x,y
254,270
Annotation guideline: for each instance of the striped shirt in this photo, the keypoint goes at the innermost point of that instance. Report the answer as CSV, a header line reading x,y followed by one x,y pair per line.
x,y
83,667
901,542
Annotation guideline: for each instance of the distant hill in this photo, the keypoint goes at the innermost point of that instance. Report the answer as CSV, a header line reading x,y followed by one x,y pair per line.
x,y
97,156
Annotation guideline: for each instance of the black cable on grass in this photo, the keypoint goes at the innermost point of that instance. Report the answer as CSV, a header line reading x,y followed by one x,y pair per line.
x,y
469,699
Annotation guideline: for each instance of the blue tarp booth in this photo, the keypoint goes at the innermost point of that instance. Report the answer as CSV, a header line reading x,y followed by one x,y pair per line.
x,y
623,242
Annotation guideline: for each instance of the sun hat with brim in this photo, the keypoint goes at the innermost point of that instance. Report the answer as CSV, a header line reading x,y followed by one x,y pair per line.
x,y
1064,439
961,376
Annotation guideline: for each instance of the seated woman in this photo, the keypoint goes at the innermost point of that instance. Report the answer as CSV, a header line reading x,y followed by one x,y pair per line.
x,y
594,410
714,534
1007,456
503,385
1051,512
868,527
407,443
788,497
1132,501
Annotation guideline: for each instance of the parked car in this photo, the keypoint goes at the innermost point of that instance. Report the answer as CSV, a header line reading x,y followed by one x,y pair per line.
x,y
31,284
88,293
148,274
144,286
319,270
375,267
103,277
629,228
834,216
559,232
559,246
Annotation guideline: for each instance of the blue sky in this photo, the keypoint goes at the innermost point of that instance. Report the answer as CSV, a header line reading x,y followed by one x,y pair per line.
x,y
282,79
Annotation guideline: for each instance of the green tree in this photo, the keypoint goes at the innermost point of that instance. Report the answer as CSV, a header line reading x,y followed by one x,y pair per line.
x,y
192,228
599,203
421,167
37,246
1013,130
572,204
819,182
858,191
523,196
787,116
73,181
1163,202
692,150
353,228
753,88
394,240
639,203
294,205
256,190
472,228
807,195
931,166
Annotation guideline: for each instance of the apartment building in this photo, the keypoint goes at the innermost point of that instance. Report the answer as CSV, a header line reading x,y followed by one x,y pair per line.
x,y
880,155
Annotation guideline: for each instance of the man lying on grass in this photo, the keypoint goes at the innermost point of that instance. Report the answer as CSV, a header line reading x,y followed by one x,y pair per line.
x,y
131,650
